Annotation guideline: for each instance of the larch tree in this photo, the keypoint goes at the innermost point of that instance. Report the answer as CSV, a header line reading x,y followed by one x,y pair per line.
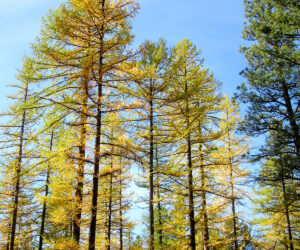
x,y
114,199
193,98
81,49
19,161
47,181
151,66
110,27
62,72
207,134
230,176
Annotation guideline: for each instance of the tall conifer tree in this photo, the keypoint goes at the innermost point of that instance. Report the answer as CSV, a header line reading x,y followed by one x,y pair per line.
x,y
193,98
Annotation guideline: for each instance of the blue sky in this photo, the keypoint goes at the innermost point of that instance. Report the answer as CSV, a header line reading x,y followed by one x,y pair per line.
x,y
213,26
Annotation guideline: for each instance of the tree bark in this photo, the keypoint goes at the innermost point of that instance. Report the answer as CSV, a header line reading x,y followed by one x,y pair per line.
x,y
96,174
160,232
190,176
109,213
291,117
120,206
203,198
81,164
46,195
18,177
191,197
235,241
110,201
151,170
287,214
92,235
232,198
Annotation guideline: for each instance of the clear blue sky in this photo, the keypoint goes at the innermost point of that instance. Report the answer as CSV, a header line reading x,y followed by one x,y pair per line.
x,y
214,27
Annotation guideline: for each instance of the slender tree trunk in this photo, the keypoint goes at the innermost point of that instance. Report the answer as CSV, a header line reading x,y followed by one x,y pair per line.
x,y
18,178
120,206
92,235
286,246
235,241
191,197
45,201
109,213
110,202
151,170
81,164
190,178
203,198
291,117
71,228
9,230
160,233
287,214
96,174
8,237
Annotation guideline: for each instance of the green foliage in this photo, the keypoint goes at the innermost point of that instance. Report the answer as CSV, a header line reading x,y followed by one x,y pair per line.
x,y
273,69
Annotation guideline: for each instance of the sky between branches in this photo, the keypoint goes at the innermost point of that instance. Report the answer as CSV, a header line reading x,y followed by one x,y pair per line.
x,y
213,26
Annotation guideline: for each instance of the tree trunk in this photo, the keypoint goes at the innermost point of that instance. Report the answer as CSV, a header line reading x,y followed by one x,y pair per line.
x,y
46,195
71,228
92,235
18,177
81,164
120,206
203,199
190,177
96,174
235,241
287,214
151,189
291,117
160,233
110,201
109,213
191,197
8,237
